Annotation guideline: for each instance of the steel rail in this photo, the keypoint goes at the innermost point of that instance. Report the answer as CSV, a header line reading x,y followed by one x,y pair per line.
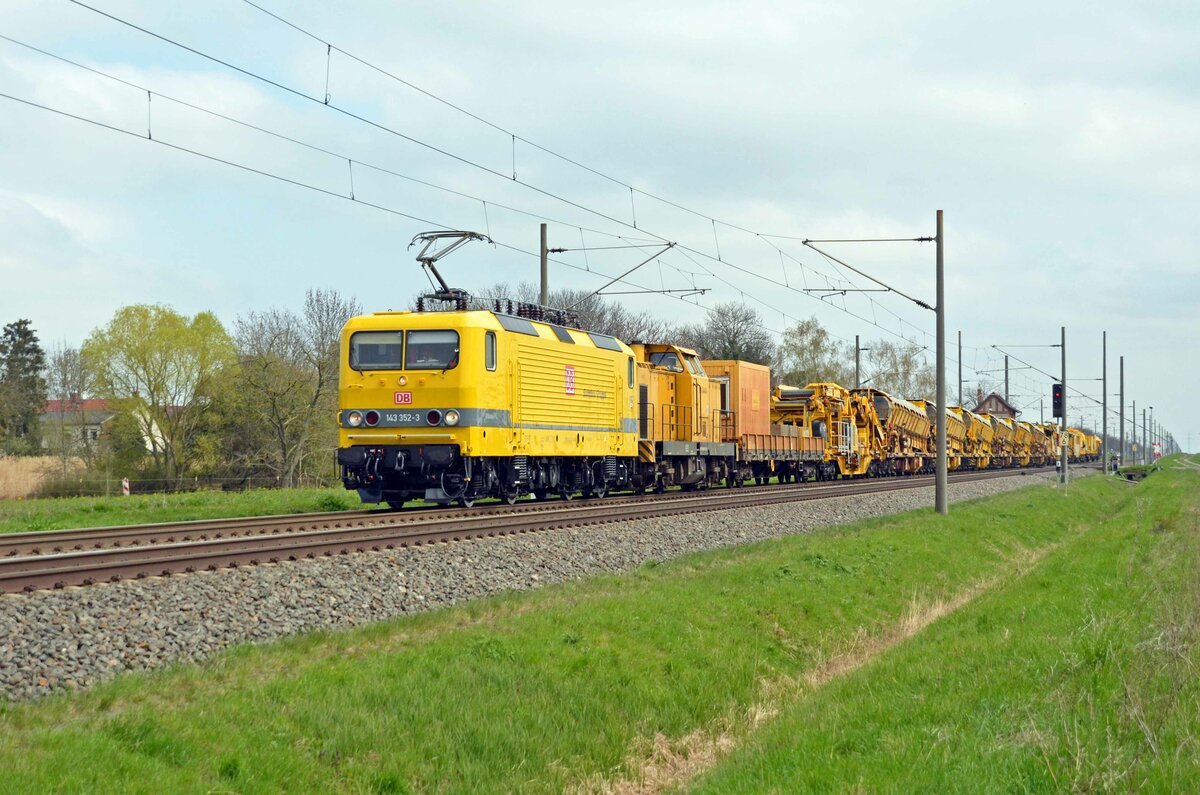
x,y
77,539
43,542
34,572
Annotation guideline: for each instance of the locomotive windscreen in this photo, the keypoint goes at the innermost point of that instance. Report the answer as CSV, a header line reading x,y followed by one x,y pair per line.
x,y
432,350
377,350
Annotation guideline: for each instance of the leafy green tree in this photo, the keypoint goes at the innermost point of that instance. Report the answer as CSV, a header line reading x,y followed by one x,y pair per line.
x,y
810,356
124,449
22,388
162,368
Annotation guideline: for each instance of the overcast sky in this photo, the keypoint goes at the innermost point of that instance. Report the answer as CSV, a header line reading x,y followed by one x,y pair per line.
x,y
1061,140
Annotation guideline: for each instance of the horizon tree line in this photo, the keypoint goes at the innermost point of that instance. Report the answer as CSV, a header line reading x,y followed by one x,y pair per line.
x,y
192,400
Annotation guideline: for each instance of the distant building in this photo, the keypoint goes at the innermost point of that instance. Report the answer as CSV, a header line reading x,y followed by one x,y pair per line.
x,y
76,424
996,406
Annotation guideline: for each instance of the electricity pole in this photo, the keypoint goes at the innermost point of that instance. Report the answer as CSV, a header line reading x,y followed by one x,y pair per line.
x,y
857,376
941,498
1006,378
1150,430
1122,411
960,395
1104,403
1062,475
544,295
1144,458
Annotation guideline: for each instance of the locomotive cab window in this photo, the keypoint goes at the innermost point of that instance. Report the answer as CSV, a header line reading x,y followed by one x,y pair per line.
x,y
631,372
489,350
668,360
377,350
431,350
693,364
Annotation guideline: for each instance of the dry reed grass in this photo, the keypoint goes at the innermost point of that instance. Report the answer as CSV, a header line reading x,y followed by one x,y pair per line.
x,y
21,475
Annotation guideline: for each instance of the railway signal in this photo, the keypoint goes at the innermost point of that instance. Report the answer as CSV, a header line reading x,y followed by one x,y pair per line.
x,y
1056,400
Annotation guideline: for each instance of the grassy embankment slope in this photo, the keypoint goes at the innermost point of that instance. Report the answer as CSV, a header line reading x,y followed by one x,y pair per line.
x,y
61,513
1037,640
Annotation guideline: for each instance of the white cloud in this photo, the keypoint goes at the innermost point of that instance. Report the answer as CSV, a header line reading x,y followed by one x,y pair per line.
x,y
1062,151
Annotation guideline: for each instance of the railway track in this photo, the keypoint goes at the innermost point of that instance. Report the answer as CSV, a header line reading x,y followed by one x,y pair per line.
x,y
58,559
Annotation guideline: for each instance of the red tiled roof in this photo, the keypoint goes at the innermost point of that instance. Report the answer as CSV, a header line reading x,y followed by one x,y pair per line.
x,y
71,406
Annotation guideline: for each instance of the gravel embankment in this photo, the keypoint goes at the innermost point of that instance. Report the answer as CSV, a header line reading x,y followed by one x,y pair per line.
x,y
68,639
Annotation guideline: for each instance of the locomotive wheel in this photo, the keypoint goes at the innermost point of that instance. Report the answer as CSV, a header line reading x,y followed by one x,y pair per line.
x,y
466,502
566,494
600,490
510,495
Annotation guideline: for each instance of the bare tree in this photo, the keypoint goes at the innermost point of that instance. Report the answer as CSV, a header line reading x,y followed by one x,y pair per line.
x,y
288,376
732,331
592,312
68,382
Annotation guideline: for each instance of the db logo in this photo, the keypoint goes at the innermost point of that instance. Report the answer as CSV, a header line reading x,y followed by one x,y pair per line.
x,y
403,398
570,372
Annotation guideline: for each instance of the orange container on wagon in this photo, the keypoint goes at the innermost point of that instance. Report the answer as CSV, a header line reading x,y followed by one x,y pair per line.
x,y
745,397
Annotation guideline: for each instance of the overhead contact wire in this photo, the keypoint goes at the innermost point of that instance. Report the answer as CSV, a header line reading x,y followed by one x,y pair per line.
x,y
564,158
305,185
443,152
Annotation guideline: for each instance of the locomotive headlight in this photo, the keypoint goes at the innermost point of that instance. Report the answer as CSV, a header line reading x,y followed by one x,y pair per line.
x,y
354,419
451,417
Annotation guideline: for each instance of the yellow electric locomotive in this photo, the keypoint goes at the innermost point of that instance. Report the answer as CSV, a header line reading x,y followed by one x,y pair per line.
x,y
458,404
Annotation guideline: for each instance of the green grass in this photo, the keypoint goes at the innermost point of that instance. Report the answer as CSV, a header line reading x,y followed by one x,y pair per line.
x,y
564,686
1079,677
60,513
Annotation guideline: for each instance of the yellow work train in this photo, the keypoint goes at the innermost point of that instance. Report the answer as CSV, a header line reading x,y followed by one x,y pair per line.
x,y
482,400
456,405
